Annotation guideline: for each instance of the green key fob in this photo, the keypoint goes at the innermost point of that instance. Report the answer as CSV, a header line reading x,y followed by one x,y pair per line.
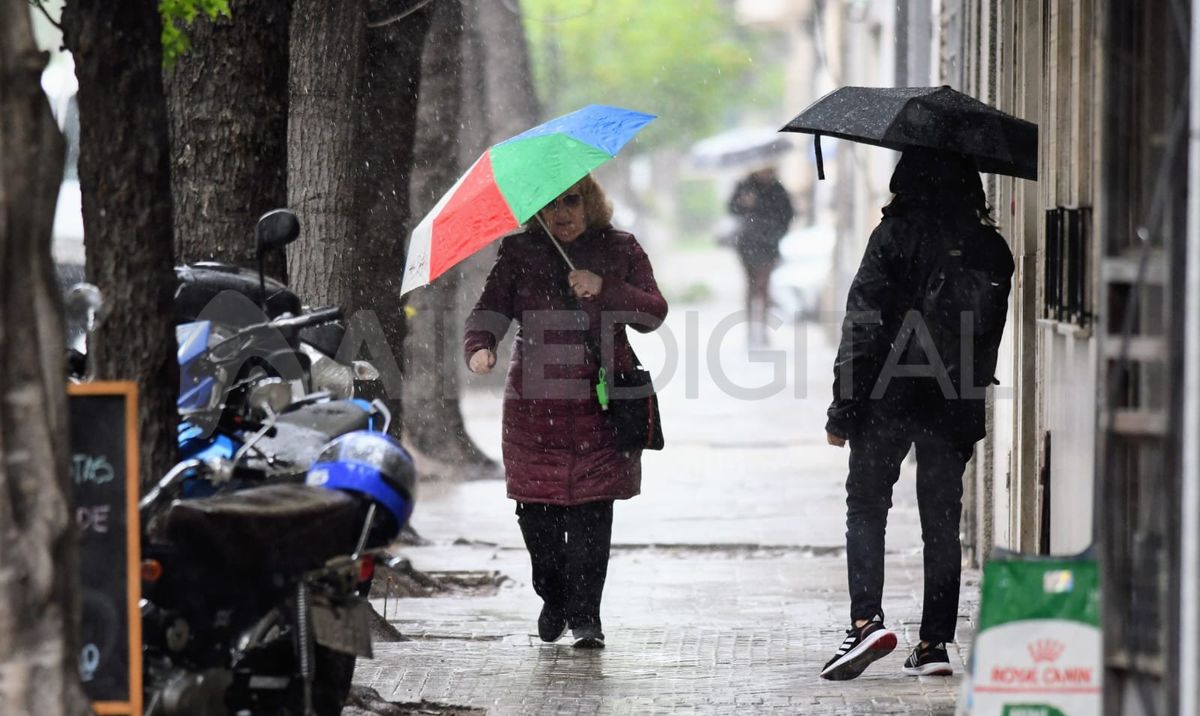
x,y
602,389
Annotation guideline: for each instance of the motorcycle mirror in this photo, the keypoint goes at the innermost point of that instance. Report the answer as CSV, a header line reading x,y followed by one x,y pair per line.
x,y
80,306
363,370
276,229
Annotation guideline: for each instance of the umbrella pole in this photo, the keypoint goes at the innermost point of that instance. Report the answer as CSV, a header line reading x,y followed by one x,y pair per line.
x,y
555,242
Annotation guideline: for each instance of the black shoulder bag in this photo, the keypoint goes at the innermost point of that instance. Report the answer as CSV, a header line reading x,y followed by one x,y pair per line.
x,y
628,399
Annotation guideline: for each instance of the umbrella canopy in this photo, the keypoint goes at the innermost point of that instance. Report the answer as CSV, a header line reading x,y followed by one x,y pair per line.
x,y
740,148
510,182
932,117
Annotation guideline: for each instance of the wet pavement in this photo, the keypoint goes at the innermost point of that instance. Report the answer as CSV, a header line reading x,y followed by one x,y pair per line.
x,y
726,589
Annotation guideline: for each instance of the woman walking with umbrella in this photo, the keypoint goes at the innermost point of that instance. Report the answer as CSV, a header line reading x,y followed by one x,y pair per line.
x,y
562,464
561,273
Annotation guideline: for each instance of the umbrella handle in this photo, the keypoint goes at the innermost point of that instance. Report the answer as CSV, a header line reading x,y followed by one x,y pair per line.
x,y
555,242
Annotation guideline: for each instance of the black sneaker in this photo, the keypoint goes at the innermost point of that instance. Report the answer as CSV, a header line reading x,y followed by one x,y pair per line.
x,y
862,646
588,637
931,660
551,624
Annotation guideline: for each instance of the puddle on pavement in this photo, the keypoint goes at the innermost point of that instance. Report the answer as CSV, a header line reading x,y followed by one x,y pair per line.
x,y
365,701
730,551
403,580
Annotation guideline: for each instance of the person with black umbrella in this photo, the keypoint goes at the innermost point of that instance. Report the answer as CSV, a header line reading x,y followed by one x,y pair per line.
x,y
765,210
925,314
924,318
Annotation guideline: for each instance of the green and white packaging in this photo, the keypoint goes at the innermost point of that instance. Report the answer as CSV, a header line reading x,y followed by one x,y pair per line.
x,y
1037,651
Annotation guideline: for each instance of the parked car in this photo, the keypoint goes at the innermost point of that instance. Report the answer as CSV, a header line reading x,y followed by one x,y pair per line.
x,y
799,282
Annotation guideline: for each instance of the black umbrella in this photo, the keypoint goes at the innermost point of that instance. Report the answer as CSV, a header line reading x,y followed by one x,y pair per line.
x,y
933,117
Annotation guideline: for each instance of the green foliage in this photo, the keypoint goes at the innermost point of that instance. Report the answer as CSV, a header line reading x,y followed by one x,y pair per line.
x,y
682,60
177,15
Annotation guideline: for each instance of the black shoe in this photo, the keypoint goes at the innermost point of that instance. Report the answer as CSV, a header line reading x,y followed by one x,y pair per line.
x,y
862,646
931,660
551,624
588,637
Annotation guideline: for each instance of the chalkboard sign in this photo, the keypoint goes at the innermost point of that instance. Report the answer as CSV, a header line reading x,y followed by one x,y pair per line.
x,y
104,475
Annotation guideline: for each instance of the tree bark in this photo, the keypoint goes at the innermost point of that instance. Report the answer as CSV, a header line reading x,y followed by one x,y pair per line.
x,y
512,103
432,354
328,44
124,176
390,85
499,101
39,607
228,104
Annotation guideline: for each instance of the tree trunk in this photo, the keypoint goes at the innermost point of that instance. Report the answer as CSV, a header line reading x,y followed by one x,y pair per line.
x,y
39,607
328,43
390,85
512,104
499,101
432,354
124,175
227,100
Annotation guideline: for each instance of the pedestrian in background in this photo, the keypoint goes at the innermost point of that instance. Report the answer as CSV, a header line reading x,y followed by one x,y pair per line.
x,y
562,466
932,290
765,212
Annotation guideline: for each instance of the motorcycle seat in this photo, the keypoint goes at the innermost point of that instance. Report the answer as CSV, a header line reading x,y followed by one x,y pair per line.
x,y
301,434
333,418
284,528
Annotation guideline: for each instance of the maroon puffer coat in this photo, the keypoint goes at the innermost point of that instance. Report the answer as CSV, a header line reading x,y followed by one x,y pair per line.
x,y
557,445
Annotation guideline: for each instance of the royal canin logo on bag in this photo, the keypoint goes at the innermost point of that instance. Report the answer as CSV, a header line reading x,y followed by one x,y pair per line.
x,y
1044,675
1046,650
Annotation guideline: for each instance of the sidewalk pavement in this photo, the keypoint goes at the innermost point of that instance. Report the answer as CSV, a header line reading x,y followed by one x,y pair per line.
x,y
726,590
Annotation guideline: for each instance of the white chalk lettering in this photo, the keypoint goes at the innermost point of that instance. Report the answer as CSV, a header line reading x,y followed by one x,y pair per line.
x,y
91,469
89,661
94,518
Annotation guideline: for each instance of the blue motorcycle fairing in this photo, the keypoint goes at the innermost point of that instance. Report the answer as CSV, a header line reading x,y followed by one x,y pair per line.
x,y
193,444
195,391
192,340
194,397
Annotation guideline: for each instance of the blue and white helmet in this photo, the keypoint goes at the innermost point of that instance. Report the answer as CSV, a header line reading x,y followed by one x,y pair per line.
x,y
371,464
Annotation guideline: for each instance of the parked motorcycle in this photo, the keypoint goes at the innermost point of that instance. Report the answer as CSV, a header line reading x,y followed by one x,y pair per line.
x,y
259,546
254,601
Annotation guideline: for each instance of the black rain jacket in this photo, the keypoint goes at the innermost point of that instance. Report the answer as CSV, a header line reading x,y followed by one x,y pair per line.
x,y
901,255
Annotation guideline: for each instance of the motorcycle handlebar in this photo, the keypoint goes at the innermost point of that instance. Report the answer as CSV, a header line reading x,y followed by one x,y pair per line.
x,y
323,315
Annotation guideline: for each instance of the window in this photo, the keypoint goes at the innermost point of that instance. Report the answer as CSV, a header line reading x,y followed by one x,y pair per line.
x,y
1067,295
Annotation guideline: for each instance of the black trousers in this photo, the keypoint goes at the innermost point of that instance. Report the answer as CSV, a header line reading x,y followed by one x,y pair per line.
x,y
568,548
874,468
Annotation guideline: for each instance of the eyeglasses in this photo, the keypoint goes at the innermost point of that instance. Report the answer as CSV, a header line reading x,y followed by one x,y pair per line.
x,y
570,201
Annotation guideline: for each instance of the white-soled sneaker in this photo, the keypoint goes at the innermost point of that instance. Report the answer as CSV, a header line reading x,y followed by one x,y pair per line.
x,y
862,646
931,660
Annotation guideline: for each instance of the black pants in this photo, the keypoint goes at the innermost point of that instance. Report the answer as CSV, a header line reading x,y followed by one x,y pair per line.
x,y
568,547
874,467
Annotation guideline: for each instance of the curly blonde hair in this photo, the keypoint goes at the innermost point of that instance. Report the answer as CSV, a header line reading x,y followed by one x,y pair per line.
x,y
597,209
596,206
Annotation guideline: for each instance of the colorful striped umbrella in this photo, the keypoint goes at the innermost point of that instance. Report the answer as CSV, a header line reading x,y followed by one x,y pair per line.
x,y
506,186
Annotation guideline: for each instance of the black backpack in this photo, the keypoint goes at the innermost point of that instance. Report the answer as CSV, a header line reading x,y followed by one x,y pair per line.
x,y
966,291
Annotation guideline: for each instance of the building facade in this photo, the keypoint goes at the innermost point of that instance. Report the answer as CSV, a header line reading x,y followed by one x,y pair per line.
x,y
1086,444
